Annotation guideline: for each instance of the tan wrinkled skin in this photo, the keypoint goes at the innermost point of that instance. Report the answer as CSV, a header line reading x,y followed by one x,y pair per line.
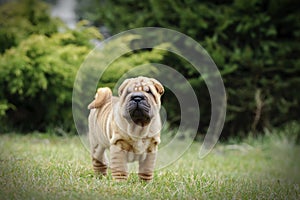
x,y
127,142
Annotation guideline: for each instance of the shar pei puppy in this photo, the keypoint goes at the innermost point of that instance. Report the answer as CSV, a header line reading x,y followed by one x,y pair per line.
x,y
128,125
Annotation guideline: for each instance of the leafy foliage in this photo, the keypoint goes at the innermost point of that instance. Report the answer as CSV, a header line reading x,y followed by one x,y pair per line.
x,y
254,43
20,19
37,75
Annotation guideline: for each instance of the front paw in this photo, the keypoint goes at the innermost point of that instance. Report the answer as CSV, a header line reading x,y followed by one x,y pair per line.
x,y
146,176
146,167
119,175
118,165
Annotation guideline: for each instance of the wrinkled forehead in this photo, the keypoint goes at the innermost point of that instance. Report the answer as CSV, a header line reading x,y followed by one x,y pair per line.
x,y
140,85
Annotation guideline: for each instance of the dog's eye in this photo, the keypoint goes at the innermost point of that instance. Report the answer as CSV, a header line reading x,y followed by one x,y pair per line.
x,y
129,90
149,92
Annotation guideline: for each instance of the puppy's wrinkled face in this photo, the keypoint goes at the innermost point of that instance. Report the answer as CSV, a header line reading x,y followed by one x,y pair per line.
x,y
140,99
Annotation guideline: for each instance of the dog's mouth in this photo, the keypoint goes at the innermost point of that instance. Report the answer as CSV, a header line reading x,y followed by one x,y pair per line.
x,y
139,111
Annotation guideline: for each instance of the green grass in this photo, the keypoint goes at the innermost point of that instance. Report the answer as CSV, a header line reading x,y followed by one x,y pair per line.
x,y
40,166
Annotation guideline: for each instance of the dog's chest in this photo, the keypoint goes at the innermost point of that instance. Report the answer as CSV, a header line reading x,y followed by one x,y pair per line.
x,y
139,150
140,145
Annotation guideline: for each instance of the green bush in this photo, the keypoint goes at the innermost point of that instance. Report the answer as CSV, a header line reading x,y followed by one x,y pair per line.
x,y
20,19
254,43
37,75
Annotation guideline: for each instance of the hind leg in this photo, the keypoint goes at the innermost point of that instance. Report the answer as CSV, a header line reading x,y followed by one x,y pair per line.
x,y
99,160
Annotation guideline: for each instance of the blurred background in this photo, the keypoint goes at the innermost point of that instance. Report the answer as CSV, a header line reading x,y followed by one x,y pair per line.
x,y
254,43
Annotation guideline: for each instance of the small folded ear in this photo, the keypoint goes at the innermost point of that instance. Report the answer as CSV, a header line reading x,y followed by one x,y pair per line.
x,y
102,96
123,86
160,89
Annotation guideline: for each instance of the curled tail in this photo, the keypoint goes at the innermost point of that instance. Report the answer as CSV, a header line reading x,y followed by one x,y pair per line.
x,y
102,96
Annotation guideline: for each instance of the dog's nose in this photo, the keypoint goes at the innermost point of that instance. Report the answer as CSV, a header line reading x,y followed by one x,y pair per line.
x,y
137,97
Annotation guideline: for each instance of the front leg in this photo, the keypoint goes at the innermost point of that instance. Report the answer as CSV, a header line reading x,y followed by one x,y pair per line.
x,y
118,162
146,166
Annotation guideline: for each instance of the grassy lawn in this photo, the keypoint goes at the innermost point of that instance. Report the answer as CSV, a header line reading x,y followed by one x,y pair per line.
x,y
40,166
